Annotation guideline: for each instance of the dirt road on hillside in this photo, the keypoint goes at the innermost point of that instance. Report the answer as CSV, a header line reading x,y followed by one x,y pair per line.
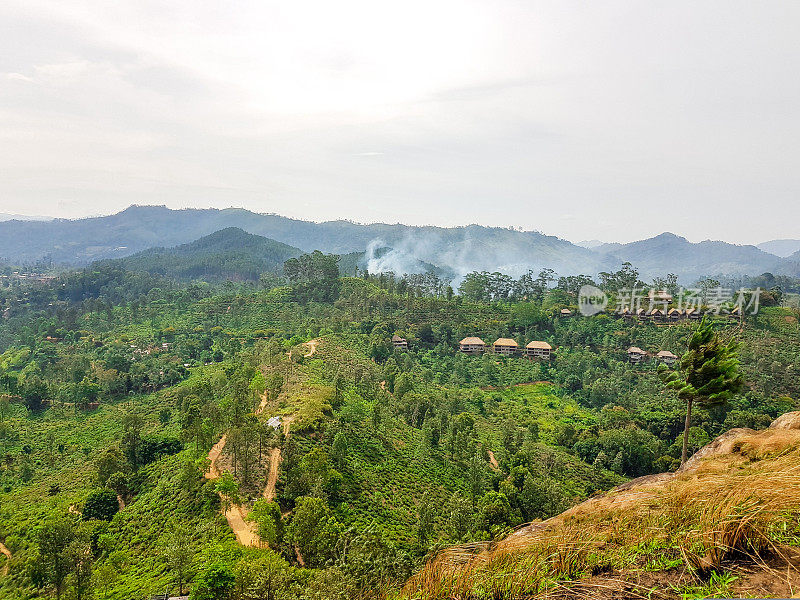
x,y
236,515
272,475
5,551
312,348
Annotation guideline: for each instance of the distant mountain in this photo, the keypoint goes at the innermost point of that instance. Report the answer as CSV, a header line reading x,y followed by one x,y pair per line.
x,y
668,252
13,217
401,248
782,248
230,253
591,244
460,249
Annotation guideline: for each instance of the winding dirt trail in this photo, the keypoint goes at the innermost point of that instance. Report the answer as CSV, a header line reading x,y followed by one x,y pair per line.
x,y
213,455
272,475
312,348
493,460
275,459
7,553
235,515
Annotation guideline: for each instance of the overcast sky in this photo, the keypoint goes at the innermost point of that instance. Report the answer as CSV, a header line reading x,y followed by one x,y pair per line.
x,y
607,120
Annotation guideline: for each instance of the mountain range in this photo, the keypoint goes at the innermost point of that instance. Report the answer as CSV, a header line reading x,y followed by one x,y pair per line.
x,y
143,235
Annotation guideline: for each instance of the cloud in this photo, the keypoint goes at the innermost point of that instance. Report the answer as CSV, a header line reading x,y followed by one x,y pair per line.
x,y
501,113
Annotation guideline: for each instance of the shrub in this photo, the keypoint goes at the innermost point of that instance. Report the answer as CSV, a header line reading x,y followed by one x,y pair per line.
x,y
100,504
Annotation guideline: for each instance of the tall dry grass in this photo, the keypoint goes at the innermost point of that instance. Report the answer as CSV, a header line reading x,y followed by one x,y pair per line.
x,y
744,505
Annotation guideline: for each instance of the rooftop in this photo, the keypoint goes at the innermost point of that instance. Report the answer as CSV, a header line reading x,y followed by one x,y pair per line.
x,y
539,345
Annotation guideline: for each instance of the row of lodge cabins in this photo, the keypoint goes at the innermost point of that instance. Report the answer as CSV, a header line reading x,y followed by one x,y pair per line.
x,y
534,349
656,314
506,347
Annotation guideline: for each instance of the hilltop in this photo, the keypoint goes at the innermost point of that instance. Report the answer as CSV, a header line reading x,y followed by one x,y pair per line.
x,y
450,251
229,253
724,525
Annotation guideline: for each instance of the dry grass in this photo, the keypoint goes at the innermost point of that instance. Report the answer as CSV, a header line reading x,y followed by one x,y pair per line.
x,y
738,506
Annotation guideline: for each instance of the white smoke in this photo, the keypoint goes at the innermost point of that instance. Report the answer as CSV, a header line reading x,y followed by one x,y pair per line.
x,y
396,260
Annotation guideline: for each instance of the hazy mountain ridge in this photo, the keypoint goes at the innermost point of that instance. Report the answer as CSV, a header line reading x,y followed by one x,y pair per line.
x,y
455,250
460,249
668,252
783,248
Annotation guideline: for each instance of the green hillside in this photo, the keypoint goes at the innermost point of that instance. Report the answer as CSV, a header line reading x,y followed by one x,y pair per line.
x,y
241,442
227,254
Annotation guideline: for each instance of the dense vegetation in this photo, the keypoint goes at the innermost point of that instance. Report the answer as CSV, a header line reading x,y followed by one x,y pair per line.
x,y
116,384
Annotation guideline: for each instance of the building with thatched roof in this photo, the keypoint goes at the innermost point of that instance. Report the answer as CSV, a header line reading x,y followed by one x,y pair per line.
x,y
565,312
472,345
399,343
666,357
505,346
636,354
538,349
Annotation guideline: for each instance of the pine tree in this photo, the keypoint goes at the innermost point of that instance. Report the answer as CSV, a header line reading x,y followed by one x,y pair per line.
x,y
707,373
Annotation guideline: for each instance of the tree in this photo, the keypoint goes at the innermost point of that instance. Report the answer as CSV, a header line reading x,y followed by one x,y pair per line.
x,y
81,561
132,425
228,490
100,504
314,530
110,462
707,373
426,516
53,541
215,582
475,477
339,449
118,482
268,520
314,277
178,553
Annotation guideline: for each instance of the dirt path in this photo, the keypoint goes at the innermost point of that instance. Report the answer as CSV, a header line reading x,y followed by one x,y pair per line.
x,y
262,405
213,455
312,348
235,515
272,476
275,462
493,460
7,553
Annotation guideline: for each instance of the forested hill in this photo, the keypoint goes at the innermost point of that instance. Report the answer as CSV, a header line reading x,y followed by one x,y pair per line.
x,y
457,250
463,249
696,260
230,253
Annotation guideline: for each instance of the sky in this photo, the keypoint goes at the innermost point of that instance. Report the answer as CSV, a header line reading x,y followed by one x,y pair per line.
x,y
587,120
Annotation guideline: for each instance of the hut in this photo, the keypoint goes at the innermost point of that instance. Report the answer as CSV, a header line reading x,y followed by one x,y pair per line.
x,y
505,346
399,343
565,312
636,354
694,314
537,349
666,357
472,345
674,314
656,314
641,313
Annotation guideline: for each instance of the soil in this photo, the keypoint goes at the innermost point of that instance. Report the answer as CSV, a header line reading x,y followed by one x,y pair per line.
x,y
7,553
